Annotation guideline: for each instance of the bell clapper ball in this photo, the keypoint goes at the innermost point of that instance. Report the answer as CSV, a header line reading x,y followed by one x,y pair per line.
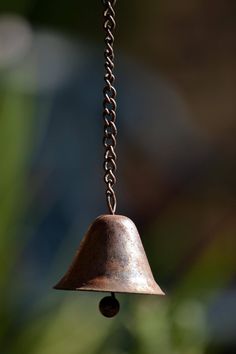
x,y
109,306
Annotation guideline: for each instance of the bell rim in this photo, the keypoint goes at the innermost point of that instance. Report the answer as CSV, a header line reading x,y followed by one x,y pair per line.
x,y
138,292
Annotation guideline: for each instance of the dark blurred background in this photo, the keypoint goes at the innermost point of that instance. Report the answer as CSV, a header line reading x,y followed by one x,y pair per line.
x,y
176,81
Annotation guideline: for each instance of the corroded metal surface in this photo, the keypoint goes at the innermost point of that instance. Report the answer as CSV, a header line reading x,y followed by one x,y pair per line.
x,y
111,258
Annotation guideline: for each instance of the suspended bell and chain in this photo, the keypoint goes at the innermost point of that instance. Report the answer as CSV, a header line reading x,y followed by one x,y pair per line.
x,y
111,257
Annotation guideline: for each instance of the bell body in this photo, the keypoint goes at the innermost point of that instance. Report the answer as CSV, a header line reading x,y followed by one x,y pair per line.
x,y
111,258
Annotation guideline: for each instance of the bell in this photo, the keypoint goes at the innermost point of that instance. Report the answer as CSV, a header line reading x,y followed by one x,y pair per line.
x,y
111,258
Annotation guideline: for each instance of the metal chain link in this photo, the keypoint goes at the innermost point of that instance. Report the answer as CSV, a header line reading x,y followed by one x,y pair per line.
x,y
109,106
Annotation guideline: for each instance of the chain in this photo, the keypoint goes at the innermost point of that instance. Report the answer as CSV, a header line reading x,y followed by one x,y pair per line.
x,y
109,106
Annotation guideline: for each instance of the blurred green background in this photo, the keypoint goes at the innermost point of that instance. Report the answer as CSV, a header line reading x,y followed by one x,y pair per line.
x,y
176,79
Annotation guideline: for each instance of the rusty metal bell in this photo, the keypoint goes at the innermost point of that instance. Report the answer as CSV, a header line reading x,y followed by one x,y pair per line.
x,y
111,258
